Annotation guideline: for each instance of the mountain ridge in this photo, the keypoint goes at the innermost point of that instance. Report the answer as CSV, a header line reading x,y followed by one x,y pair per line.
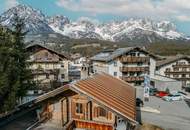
x,y
132,30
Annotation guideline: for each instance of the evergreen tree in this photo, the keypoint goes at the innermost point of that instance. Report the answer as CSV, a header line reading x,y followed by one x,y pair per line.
x,y
15,77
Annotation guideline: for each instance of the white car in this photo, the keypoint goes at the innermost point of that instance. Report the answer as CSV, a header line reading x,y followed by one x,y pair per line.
x,y
173,97
185,96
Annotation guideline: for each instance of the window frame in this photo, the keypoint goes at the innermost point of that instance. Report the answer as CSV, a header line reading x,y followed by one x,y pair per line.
x,y
79,108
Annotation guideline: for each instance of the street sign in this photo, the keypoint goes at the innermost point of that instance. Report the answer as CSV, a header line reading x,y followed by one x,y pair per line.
x,y
146,87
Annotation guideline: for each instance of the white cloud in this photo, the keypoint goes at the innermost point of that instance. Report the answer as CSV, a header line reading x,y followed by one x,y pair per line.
x,y
183,18
10,3
159,9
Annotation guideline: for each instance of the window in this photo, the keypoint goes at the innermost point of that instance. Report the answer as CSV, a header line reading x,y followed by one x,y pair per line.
x,y
115,63
167,75
176,75
131,74
47,76
115,73
167,69
138,54
138,83
139,64
79,108
102,112
184,69
139,73
176,69
62,65
62,76
46,54
183,75
133,54
47,65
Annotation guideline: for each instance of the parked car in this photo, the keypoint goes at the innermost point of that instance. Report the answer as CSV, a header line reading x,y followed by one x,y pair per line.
x,y
180,93
153,91
161,94
173,97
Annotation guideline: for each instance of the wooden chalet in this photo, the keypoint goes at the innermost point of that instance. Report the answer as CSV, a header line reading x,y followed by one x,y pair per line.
x,y
95,103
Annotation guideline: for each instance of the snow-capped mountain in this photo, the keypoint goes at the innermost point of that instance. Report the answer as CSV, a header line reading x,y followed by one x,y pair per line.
x,y
58,22
135,30
132,29
35,21
78,29
121,31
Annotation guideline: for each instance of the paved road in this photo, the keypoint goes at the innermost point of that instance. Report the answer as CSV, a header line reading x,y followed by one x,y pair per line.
x,y
173,115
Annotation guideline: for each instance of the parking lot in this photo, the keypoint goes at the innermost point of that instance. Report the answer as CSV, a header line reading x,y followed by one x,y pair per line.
x,y
172,116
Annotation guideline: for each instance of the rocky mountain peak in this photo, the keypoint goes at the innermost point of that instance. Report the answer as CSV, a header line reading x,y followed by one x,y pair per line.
x,y
143,30
35,21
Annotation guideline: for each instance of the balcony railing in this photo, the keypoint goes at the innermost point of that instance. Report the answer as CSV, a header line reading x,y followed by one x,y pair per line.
x,y
132,78
181,66
82,124
43,60
177,72
133,59
134,69
45,71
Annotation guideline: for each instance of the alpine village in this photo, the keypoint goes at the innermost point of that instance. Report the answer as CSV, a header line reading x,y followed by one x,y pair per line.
x,y
63,74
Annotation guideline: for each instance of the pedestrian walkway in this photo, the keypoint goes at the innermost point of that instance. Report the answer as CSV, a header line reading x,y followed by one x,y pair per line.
x,y
149,109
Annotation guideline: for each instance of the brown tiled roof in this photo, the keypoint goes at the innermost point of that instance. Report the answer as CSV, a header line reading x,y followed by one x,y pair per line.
x,y
170,59
113,93
47,48
107,56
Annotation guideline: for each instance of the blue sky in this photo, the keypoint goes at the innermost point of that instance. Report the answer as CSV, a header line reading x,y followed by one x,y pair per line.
x,y
177,11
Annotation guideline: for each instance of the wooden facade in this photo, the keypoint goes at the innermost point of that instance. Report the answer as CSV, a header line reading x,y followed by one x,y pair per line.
x,y
49,68
134,67
88,114
134,59
133,78
88,105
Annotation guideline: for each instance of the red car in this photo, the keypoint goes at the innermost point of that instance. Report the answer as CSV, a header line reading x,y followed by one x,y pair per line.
x,y
161,94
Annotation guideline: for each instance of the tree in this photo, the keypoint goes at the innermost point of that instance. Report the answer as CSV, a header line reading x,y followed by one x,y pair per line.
x,y
15,77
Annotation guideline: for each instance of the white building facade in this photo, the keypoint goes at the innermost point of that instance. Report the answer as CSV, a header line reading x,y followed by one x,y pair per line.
x,y
176,67
129,64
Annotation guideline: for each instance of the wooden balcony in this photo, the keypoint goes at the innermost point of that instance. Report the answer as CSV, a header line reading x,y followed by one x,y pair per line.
x,y
176,72
132,78
134,69
43,60
82,124
133,59
44,71
181,66
182,78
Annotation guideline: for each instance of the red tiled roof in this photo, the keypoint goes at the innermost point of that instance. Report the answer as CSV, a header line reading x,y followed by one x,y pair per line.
x,y
111,92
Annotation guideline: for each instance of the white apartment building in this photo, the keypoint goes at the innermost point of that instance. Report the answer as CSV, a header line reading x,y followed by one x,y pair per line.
x,y
176,67
129,64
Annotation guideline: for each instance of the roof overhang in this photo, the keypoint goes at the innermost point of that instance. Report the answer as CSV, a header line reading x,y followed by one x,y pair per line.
x,y
103,104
